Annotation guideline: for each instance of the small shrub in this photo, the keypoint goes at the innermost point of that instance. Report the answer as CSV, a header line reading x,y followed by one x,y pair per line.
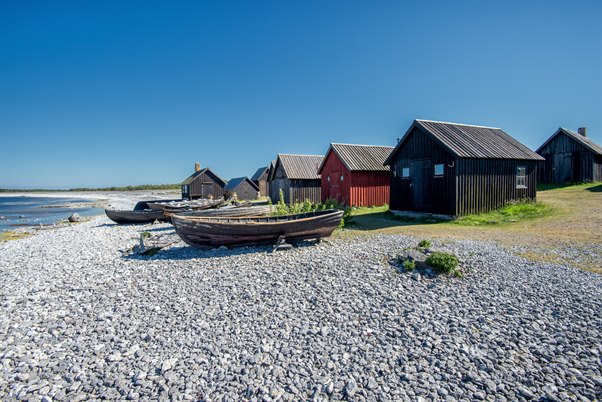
x,y
146,234
443,262
409,265
424,243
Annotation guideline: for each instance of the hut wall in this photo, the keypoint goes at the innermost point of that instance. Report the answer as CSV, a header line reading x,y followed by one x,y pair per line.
x,y
205,184
568,161
280,182
244,191
369,189
300,190
488,184
597,168
334,188
421,191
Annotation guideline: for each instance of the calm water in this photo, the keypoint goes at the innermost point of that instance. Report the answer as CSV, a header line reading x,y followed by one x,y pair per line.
x,y
33,211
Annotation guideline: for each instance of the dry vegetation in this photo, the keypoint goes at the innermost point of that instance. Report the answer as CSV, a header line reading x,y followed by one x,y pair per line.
x,y
569,233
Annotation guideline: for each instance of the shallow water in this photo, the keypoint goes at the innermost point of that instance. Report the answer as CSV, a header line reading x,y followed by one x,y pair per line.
x,y
33,211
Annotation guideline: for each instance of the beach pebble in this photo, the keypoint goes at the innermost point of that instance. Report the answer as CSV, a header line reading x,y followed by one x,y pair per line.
x,y
84,319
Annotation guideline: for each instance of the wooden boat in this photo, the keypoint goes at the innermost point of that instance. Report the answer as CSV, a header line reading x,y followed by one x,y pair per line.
x,y
194,205
142,205
234,211
136,216
210,232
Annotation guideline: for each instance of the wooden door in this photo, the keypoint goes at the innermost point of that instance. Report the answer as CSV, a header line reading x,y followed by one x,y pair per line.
x,y
420,175
334,185
563,168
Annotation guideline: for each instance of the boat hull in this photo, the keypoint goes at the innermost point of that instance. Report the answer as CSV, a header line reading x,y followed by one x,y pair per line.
x,y
226,211
207,233
125,217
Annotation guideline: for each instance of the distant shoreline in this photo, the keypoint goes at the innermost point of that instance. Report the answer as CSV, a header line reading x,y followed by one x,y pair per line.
x,y
102,199
142,187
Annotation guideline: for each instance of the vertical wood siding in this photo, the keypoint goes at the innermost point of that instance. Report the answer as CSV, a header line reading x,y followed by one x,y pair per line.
x,y
369,189
294,190
205,184
419,146
568,161
334,168
300,190
244,191
488,184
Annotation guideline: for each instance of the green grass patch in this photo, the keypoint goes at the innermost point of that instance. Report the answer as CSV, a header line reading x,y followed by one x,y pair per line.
x,y
443,262
512,212
572,186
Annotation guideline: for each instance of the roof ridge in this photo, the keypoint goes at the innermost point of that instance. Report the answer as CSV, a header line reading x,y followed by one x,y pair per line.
x,y
457,124
362,145
300,155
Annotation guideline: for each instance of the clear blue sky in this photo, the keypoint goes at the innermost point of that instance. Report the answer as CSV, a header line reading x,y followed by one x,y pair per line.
x,y
124,93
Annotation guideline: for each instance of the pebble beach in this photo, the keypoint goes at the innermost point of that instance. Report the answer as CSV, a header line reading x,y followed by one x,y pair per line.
x,y
83,318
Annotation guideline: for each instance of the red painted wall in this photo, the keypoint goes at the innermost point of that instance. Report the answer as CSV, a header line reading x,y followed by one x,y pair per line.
x,y
362,189
369,188
335,188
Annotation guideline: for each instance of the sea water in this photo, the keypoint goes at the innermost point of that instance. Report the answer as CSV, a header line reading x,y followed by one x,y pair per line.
x,y
34,211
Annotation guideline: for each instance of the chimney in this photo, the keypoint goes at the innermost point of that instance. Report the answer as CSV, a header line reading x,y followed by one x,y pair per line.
x,y
197,167
582,131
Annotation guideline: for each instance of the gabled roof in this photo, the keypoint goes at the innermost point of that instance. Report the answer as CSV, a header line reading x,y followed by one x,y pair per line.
x,y
466,141
193,176
233,183
300,166
364,158
259,173
586,142
271,170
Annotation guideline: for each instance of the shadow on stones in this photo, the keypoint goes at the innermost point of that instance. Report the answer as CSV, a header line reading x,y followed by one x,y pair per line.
x,y
189,252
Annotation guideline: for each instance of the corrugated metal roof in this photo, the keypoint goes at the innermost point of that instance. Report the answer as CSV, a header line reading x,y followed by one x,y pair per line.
x,y
361,157
300,166
193,176
259,173
586,142
468,141
233,183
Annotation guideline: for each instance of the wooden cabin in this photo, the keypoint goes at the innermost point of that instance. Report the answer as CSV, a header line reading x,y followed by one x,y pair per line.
x,y
260,178
297,176
355,174
570,157
244,188
203,183
457,169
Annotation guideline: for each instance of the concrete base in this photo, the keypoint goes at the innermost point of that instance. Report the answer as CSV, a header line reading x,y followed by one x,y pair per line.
x,y
421,215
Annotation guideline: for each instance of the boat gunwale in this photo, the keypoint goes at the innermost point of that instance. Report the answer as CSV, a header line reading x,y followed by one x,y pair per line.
x,y
249,220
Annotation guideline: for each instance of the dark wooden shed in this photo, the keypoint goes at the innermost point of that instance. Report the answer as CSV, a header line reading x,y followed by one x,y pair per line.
x,y
260,178
570,157
244,188
297,176
203,183
355,174
458,169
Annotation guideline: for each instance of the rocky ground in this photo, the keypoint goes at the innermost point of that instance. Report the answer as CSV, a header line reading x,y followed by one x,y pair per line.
x,y
82,318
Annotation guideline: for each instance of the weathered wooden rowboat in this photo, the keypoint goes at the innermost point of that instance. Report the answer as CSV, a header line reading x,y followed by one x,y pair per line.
x,y
210,232
234,211
142,205
195,205
144,216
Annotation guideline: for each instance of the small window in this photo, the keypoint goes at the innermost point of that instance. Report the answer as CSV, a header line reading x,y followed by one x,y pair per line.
x,y
405,173
439,170
521,177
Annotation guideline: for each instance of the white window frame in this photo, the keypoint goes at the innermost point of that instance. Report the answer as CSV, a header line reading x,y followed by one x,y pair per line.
x,y
521,179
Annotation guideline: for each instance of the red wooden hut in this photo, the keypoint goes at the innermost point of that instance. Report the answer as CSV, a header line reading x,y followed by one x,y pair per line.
x,y
355,175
